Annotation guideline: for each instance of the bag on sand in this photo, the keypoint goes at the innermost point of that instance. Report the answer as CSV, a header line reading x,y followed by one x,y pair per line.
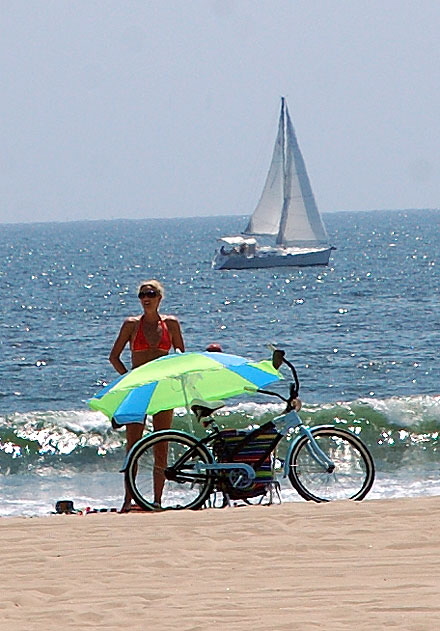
x,y
254,448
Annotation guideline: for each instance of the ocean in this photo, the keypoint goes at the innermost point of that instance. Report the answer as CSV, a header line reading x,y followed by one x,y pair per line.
x,y
363,333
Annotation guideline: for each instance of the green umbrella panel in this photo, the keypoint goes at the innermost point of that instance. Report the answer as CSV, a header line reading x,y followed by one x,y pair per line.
x,y
175,380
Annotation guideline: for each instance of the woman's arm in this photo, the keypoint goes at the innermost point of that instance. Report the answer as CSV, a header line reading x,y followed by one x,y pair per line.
x,y
176,333
118,347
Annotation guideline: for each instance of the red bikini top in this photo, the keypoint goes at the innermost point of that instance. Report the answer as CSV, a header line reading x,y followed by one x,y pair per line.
x,y
140,343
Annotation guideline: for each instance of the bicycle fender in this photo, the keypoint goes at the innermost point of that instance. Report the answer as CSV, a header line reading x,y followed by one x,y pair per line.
x,y
303,432
144,440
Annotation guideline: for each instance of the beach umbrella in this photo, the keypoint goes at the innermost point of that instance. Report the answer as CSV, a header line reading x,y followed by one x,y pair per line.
x,y
175,380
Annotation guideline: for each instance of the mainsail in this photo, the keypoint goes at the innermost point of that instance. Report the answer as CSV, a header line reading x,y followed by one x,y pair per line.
x,y
287,207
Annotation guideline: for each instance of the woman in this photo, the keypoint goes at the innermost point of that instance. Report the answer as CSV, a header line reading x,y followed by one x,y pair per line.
x,y
150,336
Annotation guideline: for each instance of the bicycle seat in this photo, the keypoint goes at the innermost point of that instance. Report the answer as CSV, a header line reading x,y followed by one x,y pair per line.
x,y
203,408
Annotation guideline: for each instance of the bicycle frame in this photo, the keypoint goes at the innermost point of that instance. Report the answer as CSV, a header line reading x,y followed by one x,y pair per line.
x,y
291,420
284,423
201,468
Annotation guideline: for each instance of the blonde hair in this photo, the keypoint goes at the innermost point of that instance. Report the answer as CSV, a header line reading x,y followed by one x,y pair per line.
x,y
155,284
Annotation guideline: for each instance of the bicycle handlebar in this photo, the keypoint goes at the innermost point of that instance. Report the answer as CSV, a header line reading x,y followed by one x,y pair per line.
x,y
279,358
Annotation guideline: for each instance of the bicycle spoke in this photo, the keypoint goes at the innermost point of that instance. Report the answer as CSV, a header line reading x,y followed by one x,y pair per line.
x,y
353,472
162,473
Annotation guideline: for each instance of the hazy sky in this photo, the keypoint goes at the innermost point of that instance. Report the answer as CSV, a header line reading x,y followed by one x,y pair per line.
x,y
150,108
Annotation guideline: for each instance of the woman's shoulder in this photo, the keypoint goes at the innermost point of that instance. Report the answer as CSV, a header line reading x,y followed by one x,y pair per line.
x,y
169,318
171,321
131,321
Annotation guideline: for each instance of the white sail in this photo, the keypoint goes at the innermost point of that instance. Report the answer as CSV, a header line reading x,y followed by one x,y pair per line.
x,y
267,215
287,207
301,223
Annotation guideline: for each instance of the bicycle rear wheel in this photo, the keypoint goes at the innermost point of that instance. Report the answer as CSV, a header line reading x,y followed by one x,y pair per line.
x,y
161,472
353,475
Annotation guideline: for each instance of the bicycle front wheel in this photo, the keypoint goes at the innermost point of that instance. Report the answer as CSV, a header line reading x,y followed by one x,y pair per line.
x,y
165,471
353,473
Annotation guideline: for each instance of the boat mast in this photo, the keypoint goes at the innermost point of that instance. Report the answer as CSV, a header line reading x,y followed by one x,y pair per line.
x,y
286,175
283,106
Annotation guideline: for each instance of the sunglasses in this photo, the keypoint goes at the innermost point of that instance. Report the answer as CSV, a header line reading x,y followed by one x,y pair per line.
x,y
148,293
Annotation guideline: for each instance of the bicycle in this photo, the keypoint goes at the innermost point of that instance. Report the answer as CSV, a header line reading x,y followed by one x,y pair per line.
x,y
323,463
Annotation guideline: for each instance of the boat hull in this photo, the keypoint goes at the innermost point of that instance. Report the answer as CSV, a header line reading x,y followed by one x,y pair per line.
x,y
272,259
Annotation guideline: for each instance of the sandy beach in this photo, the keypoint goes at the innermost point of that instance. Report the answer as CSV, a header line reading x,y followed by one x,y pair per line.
x,y
344,565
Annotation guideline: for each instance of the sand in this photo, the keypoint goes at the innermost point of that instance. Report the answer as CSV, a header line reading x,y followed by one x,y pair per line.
x,y
346,565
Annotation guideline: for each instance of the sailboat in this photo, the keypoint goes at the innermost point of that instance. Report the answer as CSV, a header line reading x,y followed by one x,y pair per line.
x,y
286,210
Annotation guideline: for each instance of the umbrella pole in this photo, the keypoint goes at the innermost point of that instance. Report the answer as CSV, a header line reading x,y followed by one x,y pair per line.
x,y
187,405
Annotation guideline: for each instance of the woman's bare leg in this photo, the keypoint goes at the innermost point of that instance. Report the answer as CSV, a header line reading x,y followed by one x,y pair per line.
x,y
133,433
161,420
